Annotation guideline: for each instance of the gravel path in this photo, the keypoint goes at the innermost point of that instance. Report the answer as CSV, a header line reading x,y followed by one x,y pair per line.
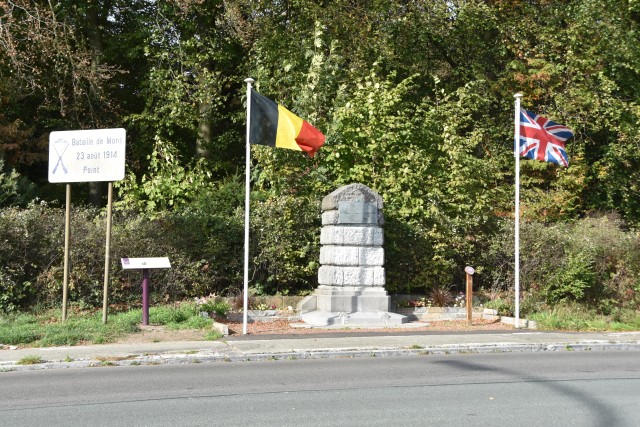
x,y
283,327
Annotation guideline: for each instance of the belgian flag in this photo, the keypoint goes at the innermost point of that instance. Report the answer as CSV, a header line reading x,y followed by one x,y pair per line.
x,y
272,124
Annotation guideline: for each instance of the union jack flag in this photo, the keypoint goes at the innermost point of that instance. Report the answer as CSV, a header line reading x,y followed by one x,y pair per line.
x,y
543,139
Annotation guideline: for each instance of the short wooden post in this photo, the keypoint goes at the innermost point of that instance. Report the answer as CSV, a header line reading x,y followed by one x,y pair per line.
x,y
145,296
469,271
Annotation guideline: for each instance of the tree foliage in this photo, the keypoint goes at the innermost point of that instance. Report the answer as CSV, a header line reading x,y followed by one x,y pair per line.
x,y
415,98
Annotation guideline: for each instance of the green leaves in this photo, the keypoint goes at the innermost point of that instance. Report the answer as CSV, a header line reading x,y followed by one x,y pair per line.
x,y
372,136
415,98
8,185
166,187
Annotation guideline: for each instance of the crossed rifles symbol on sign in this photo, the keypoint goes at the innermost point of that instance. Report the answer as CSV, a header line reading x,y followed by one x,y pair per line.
x,y
63,144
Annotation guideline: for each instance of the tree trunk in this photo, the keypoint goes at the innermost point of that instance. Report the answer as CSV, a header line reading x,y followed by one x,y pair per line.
x,y
95,41
204,131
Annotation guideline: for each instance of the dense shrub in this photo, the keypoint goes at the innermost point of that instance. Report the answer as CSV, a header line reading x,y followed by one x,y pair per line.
x,y
286,236
31,243
592,261
204,243
408,258
204,240
505,307
541,252
209,233
575,281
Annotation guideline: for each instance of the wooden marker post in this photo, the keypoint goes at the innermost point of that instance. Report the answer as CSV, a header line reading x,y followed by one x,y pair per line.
x,y
469,271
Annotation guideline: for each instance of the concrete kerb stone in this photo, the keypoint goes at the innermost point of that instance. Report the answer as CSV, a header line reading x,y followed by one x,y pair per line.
x,y
178,358
221,328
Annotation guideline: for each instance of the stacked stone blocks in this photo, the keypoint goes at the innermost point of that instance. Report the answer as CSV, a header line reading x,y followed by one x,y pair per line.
x,y
352,238
351,275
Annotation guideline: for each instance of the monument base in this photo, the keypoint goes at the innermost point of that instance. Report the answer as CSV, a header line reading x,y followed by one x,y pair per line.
x,y
349,306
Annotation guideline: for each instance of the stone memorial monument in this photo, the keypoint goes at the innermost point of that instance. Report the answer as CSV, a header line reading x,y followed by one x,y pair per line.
x,y
351,277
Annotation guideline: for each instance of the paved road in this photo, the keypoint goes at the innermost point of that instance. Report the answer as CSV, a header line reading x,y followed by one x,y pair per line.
x,y
561,388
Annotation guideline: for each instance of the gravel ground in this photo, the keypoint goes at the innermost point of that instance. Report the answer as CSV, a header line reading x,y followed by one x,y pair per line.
x,y
283,327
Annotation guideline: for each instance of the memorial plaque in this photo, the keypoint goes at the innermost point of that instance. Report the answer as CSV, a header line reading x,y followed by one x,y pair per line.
x,y
357,213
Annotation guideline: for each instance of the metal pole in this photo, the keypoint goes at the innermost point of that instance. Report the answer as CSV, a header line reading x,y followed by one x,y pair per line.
x,y
247,188
145,296
107,256
516,152
67,226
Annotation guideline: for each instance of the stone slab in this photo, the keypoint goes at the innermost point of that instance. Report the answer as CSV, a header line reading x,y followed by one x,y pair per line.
x,y
351,192
351,299
353,256
221,328
351,276
352,235
383,319
332,217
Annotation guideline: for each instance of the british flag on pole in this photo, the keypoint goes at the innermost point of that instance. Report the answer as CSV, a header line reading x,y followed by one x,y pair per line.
x,y
542,139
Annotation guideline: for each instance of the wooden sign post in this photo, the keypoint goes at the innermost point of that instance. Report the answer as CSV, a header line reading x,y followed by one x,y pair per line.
x,y
469,271
89,155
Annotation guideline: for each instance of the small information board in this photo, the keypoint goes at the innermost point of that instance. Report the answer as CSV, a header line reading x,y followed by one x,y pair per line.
x,y
145,263
87,155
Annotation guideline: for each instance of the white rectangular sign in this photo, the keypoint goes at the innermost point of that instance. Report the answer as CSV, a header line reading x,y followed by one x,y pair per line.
x,y
142,263
87,155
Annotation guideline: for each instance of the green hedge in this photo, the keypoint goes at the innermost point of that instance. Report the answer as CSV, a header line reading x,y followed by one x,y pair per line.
x,y
592,261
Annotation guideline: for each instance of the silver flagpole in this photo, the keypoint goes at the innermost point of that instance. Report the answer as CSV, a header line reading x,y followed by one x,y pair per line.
x,y
247,188
516,153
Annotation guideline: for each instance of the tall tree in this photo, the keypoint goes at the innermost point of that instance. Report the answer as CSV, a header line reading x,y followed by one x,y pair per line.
x,y
62,89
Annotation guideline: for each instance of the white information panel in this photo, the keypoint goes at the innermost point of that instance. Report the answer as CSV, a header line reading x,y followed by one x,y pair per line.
x,y
142,263
87,155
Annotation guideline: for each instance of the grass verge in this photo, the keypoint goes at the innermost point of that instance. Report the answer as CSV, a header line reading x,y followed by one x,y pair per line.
x,y
579,318
46,329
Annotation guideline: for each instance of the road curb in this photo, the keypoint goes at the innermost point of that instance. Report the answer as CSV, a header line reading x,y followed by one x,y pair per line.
x,y
179,358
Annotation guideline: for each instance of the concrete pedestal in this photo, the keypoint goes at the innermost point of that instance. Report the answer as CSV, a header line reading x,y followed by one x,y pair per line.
x,y
353,305
351,275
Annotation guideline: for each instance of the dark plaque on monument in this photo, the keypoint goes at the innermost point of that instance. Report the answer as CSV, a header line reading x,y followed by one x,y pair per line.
x,y
357,213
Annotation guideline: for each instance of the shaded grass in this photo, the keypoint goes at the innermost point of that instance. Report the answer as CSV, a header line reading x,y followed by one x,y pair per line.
x,y
46,329
195,322
172,315
212,336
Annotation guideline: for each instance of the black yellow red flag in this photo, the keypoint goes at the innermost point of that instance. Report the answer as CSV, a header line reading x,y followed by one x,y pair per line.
x,y
272,124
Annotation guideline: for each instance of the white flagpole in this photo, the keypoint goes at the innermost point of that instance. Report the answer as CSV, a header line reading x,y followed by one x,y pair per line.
x,y
247,188
516,153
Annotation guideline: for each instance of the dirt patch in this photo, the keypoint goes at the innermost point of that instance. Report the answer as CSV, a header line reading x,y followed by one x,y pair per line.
x,y
283,327
159,333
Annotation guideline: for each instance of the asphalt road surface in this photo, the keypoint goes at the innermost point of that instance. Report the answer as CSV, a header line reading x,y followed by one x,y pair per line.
x,y
521,389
